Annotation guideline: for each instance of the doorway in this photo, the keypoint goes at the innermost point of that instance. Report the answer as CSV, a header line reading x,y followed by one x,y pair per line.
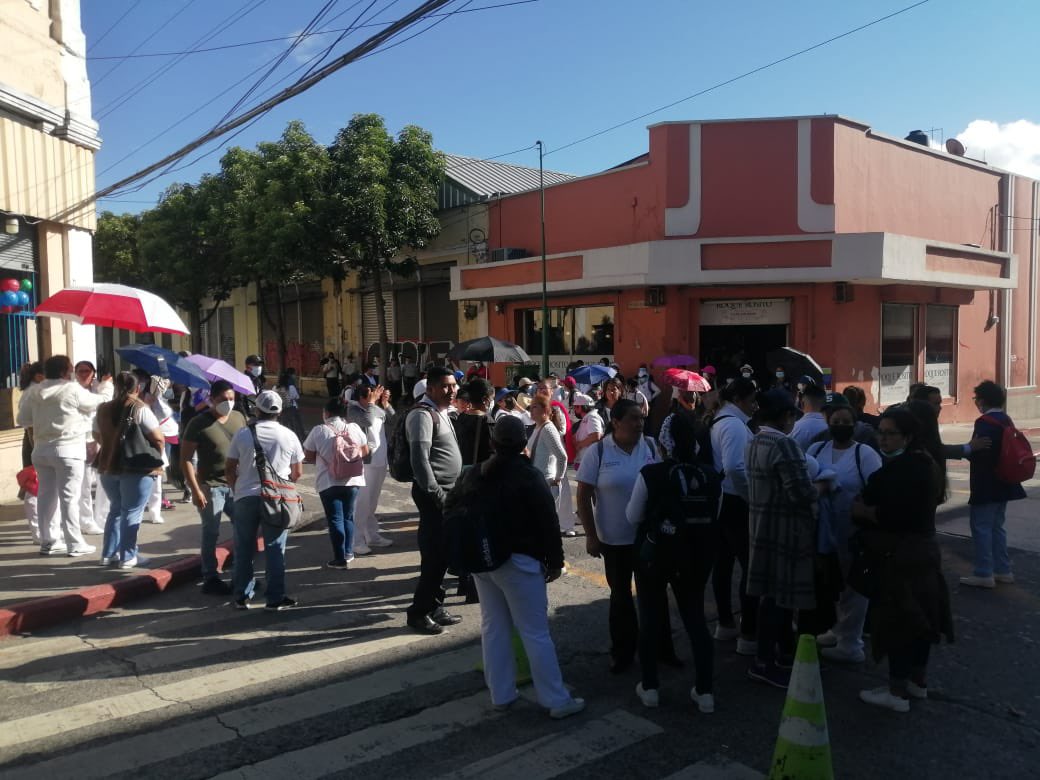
x,y
728,347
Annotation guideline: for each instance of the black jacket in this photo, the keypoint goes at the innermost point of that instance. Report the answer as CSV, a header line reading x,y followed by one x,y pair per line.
x,y
528,510
985,487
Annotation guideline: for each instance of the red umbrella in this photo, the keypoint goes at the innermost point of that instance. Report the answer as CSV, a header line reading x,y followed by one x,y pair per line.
x,y
114,306
689,381
674,360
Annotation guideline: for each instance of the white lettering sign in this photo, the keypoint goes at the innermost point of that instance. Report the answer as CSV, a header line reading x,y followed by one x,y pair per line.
x,y
939,375
895,384
762,311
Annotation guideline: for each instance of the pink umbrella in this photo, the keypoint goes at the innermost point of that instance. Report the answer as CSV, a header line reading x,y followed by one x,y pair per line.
x,y
215,369
689,381
674,360
114,306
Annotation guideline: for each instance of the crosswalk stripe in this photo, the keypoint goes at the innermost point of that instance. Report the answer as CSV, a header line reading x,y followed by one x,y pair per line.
x,y
375,742
723,770
34,727
168,743
555,754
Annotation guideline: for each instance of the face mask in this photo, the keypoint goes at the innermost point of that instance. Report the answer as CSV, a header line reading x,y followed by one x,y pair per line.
x,y
256,370
168,395
842,433
779,374
746,374
223,408
893,454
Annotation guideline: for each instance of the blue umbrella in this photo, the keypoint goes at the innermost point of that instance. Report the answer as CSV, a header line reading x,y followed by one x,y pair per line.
x,y
592,374
158,361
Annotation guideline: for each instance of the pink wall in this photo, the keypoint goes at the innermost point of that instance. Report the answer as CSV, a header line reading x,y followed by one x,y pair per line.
x,y
1023,241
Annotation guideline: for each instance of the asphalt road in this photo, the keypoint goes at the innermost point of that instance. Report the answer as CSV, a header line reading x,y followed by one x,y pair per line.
x,y
183,686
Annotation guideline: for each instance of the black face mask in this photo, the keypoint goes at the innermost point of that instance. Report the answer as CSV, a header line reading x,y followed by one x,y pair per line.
x,y
842,433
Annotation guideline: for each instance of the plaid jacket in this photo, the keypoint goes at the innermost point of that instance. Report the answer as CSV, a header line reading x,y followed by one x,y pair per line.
x,y
783,524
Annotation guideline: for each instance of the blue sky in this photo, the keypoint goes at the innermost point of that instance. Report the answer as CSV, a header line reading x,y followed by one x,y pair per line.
x,y
491,81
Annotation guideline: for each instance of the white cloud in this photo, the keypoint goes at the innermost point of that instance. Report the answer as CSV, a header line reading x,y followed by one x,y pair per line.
x,y
1014,146
309,45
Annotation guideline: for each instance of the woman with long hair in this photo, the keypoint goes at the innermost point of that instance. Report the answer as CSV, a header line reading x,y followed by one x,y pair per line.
x,y
909,602
128,486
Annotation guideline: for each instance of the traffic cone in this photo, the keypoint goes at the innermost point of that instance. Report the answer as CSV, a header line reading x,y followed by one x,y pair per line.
x,y
803,749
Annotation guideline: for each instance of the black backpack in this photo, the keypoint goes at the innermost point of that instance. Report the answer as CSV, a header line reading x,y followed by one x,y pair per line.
x,y
683,497
474,527
398,451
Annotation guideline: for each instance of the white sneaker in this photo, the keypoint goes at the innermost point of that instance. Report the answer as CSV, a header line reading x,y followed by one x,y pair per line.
x,y
55,548
1004,579
381,541
725,633
92,530
362,549
978,582
106,561
573,707
650,698
747,646
916,691
84,549
842,656
155,520
705,701
884,698
827,639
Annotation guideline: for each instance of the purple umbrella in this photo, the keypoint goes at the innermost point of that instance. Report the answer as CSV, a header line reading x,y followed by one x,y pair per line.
x,y
674,361
215,369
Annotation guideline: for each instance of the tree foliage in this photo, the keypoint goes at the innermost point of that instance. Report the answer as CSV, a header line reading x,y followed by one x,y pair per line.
x,y
116,258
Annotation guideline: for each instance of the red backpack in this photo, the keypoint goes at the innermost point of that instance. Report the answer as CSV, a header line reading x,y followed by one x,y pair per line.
x,y
1017,461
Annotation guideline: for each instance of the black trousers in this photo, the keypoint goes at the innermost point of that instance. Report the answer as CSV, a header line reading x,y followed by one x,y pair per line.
x,y
619,564
433,564
775,632
333,386
687,573
909,661
734,545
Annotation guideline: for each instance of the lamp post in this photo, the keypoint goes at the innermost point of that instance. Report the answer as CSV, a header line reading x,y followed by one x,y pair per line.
x,y
545,274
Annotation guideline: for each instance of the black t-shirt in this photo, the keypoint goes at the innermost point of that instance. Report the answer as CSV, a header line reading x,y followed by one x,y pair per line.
x,y
474,434
212,440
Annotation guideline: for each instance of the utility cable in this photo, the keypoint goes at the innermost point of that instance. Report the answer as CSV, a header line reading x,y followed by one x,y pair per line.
x,y
114,25
155,32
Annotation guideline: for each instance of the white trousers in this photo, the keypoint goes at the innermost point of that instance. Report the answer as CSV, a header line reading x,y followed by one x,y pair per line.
x,y
365,523
153,509
93,509
515,594
29,502
61,481
565,506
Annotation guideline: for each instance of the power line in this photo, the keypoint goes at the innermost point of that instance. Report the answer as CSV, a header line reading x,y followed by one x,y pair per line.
x,y
744,75
303,85
350,28
114,25
243,11
291,37
155,32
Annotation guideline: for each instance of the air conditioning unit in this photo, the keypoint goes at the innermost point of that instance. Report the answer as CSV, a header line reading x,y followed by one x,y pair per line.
x,y
843,292
654,296
507,253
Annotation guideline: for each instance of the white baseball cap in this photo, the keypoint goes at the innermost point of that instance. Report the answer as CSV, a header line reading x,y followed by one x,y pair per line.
x,y
269,402
580,399
420,389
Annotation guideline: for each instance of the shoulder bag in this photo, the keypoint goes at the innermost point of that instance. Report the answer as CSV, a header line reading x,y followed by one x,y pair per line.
x,y
281,501
135,453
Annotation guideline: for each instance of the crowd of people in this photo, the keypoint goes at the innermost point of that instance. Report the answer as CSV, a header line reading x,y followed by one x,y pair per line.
x,y
829,511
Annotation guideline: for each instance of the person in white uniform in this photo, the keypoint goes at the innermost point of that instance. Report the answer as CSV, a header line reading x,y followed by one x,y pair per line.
x,y
515,594
93,501
372,412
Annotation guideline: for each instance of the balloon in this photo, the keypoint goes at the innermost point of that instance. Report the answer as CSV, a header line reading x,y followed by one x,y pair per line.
x,y
23,298
9,285
9,298
26,285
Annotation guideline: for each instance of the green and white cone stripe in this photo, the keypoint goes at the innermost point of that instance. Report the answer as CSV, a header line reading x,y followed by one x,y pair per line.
x,y
803,748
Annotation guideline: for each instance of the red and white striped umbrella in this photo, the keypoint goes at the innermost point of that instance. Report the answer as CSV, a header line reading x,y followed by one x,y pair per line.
x,y
113,306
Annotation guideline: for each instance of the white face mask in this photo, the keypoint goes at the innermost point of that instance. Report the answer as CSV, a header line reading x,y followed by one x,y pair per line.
x,y
223,408
256,370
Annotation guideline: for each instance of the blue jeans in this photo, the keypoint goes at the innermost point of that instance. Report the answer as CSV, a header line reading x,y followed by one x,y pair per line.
x,y
248,523
218,500
987,531
339,501
127,496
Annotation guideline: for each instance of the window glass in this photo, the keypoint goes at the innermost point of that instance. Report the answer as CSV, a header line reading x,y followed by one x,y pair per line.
x,y
573,331
940,347
898,351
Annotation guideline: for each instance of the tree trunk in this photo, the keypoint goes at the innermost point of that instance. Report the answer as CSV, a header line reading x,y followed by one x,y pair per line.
x,y
195,321
377,287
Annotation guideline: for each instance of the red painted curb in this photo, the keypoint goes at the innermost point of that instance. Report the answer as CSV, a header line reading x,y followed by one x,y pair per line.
x,y
44,612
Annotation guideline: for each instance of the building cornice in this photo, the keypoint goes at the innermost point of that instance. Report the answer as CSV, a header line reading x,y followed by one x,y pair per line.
x,y
49,119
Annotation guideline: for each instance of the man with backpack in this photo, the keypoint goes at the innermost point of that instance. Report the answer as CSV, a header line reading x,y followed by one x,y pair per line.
x,y
435,462
996,477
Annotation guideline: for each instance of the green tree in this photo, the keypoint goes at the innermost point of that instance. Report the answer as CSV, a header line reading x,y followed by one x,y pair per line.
x,y
274,205
116,258
381,204
185,250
